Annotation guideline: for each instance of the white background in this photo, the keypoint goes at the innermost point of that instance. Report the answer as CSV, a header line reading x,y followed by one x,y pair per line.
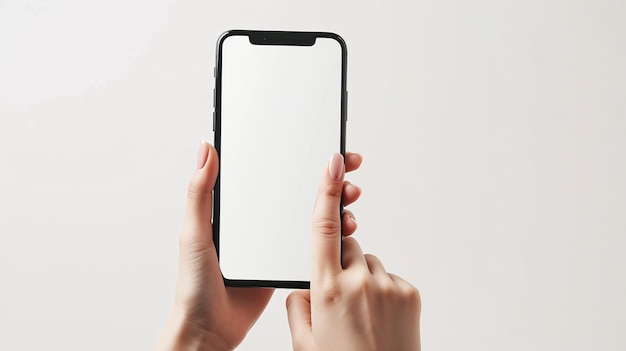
x,y
493,134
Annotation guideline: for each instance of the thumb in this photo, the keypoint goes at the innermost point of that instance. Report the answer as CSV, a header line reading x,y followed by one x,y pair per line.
x,y
197,232
299,315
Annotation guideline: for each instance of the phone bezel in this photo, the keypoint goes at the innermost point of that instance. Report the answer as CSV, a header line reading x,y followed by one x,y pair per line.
x,y
262,37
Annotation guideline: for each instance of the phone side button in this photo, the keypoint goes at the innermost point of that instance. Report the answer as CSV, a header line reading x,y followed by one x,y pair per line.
x,y
213,97
213,120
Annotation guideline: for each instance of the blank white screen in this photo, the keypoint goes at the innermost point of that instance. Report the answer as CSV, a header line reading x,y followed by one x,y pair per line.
x,y
280,123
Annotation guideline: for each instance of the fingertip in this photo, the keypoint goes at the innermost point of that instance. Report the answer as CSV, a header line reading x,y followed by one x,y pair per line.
x,y
351,193
355,156
298,306
203,179
296,296
349,225
209,146
336,167
203,154
211,166
353,161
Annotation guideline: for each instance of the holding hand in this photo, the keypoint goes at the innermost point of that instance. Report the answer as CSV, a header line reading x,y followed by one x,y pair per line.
x,y
207,315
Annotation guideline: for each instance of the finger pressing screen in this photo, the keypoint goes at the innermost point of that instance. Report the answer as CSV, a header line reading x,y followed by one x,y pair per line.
x,y
327,219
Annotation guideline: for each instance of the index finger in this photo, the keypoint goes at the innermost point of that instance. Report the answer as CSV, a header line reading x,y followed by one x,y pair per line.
x,y
327,220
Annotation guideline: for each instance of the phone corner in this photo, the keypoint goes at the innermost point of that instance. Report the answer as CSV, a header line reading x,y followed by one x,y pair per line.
x,y
339,39
225,35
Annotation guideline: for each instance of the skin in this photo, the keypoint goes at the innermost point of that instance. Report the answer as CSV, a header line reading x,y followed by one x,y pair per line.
x,y
353,304
210,316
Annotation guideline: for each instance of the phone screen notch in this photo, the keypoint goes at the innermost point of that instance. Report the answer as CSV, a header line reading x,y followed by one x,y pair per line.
x,y
282,38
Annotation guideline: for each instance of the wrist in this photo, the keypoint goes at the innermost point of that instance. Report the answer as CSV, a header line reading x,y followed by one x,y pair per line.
x,y
181,334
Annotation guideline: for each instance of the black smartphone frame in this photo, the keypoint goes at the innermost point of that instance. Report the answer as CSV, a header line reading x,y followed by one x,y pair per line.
x,y
262,37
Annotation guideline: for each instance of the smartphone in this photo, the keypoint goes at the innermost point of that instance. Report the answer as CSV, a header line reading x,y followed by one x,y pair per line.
x,y
280,113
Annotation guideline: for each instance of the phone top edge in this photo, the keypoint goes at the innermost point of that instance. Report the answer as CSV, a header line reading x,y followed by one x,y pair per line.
x,y
257,33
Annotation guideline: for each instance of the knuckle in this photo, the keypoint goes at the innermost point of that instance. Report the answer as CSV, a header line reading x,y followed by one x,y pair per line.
x,y
412,295
360,284
330,292
370,258
196,189
190,243
333,191
192,190
388,289
327,226
326,289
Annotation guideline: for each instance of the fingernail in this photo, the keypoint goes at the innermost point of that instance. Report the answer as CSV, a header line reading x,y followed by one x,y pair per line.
x,y
336,167
203,154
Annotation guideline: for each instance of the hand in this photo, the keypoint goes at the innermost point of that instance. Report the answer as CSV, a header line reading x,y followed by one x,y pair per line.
x,y
207,315
353,304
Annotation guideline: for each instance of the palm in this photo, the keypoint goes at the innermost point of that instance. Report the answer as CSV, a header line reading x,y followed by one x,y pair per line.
x,y
244,307
225,312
